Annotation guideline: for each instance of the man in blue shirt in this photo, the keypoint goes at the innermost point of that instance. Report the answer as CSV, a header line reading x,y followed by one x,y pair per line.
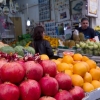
x,y
88,32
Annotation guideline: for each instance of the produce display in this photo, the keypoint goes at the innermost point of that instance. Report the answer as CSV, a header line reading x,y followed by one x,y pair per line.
x,y
53,41
31,78
18,49
76,39
66,78
3,44
70,43
89,47
83,71
23,40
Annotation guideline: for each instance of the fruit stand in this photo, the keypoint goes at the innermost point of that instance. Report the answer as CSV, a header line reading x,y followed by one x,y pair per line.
x,y
34,73
65,67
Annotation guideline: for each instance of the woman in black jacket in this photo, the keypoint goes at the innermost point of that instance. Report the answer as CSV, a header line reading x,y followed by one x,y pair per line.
x,y
40,45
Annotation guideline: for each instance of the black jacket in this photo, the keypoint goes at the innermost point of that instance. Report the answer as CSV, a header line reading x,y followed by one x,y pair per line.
x,y
43,47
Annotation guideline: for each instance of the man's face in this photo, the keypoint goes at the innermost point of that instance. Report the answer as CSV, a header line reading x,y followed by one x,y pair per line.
x,y
84,24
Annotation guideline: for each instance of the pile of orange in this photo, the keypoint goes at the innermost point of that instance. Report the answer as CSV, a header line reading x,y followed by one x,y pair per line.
x,y
83,71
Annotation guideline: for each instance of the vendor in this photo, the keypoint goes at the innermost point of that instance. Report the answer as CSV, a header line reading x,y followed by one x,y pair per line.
x,y
40,45
88,32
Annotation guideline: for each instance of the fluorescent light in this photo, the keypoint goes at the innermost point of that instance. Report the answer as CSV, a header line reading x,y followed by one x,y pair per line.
x,y
28,22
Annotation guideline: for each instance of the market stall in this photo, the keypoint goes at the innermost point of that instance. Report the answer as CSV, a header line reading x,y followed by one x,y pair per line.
x,y
73,73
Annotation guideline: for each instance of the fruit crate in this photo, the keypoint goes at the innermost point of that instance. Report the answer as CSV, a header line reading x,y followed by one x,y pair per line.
x,y
94,95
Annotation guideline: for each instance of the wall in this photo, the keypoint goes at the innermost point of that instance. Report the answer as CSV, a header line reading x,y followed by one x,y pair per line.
x,y
33,13
96,21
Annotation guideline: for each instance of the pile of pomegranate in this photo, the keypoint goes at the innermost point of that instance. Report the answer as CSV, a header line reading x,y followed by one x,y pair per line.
x,y
33,79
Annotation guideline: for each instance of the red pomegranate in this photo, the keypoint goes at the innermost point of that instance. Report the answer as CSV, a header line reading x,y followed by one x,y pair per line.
x,y
0,81
63,95
33,70
2,62
77,93
49,86
30,90
12,72
47,98
21,62
64,81
49,67
9,91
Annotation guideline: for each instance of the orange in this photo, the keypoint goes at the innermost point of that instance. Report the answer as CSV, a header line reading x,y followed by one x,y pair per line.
x,y
98,68
60,59
75,62
44,57
56,61
87,77
96,84
62,67
77,57
77,80
80,69
95,74
88,87
68,72
67,59
91,63
71,67
88,67
85,58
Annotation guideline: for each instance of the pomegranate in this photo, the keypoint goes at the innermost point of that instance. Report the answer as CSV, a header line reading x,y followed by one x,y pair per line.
x,y
21,62
12,72
49,86
77,93
30,90
9,91
2,62
33,70
47,98
0,81
64,81
49,67
63,95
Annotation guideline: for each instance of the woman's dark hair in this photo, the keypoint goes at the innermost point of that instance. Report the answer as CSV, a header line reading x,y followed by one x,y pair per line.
x,y
38,33
83,19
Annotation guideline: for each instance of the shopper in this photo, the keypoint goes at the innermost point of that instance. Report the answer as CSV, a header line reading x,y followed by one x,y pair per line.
x,y
88,32
40,45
